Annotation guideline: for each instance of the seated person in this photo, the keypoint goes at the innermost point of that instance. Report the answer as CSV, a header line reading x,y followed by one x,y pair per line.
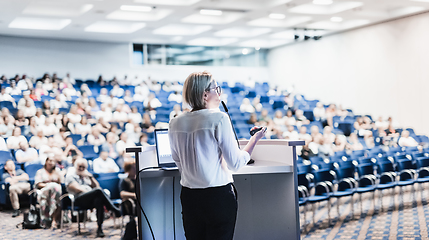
x,y
88,193
14,140
38,140
406,140
26,154
48,180
71,150
19,184
104,164
127,188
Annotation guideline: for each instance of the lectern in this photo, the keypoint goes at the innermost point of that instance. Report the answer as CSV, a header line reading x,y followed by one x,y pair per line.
x,y
267,194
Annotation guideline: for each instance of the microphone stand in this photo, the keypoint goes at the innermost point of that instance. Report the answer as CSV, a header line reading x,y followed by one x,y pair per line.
x,y
236,138
232,125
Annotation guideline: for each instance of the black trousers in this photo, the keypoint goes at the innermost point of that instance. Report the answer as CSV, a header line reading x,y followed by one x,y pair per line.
x,y
96,198
209,213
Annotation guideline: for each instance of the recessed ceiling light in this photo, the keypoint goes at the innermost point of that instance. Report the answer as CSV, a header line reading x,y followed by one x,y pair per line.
x,y
257,48
114,27
39,23
134,8
277,16
211,12
336,19
245,51
323,2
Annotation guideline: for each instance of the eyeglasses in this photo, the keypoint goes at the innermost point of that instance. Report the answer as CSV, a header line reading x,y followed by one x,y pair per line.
x,y
81,167
218,90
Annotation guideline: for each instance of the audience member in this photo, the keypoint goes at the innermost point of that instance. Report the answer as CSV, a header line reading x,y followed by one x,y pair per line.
x,y
319,112
87,192
146,125
177,110
71,150
26,154
83,127
406,140
246,106
95,137
38,140
104,164
19,184
110,145
48,181
143,140
16,138
289,118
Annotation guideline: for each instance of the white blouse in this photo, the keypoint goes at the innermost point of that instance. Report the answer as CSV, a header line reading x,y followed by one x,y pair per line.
x,y
204,148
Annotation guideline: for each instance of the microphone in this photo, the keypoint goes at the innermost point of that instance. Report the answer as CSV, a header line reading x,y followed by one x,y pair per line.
x,y
232,125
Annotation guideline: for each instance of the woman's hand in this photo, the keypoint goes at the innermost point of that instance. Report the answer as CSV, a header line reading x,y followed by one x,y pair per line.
x,y
259,134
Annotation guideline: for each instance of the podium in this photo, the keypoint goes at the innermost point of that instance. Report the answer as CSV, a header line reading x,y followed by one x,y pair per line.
x,y
267,194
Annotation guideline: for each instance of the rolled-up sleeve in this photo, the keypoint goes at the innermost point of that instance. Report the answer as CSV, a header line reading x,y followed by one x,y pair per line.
x,y
234,157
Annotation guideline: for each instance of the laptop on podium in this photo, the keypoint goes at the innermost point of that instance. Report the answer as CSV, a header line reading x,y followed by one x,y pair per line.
x,y
163,150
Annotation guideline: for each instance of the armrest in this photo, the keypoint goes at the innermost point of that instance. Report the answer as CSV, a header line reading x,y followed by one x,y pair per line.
x,y
347,182
410,172
390,175
324,186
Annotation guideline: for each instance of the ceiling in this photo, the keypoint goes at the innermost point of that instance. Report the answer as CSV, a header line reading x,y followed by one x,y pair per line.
x,y
246,23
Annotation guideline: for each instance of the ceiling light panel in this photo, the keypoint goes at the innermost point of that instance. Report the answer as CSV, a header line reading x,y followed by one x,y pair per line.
x,y
168,2
242,32
114,27
39,23
134,8
225,18
211,12
154,15
212,41
328,25
57,8
181,29
334,8
277,16
287,22
245,5
288,34
265,43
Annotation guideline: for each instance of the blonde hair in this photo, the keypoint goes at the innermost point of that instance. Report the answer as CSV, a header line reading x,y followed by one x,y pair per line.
x,y
194,87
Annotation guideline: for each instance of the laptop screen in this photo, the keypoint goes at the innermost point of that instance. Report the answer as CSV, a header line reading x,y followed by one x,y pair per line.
x,y
163,150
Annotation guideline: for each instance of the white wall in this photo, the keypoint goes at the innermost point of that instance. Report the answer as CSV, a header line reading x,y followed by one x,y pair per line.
x,y
87,60
380,70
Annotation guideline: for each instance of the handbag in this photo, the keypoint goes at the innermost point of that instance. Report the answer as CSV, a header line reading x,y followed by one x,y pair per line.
x,y
32,218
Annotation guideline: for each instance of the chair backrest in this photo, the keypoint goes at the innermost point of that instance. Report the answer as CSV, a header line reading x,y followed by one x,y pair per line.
x,y
304,168
31,169
324,175
302,180
346,172
365,169
76,138
385,167
422,162
417,155
366,160
112,184
405,164
4,156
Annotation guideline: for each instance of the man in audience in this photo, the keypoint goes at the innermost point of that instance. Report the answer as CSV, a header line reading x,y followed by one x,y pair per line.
x,y
26,154
406,140
110,145
19,184
87,192
104,164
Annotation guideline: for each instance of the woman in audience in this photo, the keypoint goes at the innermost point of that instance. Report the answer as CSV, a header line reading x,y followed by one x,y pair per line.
x,y
102,125
325,147
319,112
46,108
73,115
246,106
95,137
327,133
134,115
38,140
83,127
146,125
71,150
67,124
20,119
278,119
40,117
14,140
406,140
289,118
354,143
60,138
29,109
48,181
339,143
127,191
143,140
300,118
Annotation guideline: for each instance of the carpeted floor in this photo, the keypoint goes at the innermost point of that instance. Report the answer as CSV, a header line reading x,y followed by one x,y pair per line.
x,y
10,231
397,221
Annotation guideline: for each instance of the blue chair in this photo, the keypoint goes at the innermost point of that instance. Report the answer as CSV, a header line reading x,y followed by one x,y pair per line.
x,y
31,170
367,182
4,156
76,138
323,190
407,175
88,152
346,186
387,179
